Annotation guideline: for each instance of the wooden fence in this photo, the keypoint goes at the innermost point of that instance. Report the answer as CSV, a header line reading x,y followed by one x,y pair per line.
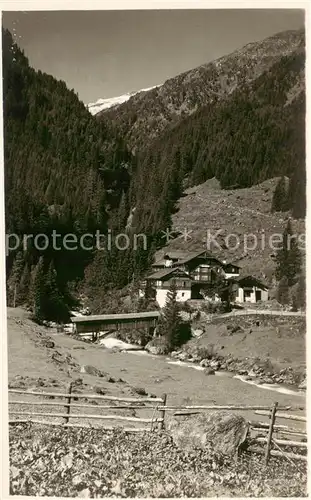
x,y
268,434
266,438
112,403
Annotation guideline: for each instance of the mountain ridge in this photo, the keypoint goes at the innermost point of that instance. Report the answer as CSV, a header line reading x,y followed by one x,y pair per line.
x,y
142,118
112,102
252,132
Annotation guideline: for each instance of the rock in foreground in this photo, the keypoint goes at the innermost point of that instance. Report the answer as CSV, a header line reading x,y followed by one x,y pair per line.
x,y
224,431
157,346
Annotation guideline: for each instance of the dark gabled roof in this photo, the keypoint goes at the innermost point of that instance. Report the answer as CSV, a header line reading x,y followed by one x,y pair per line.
x,y
174,255
194,255
159,263
251,279
227,264
181,258
166,272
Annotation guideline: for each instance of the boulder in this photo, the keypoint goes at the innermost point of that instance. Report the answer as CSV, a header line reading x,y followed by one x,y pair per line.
x,y
91,370
47,343
196,359
183,356
197,332
224,432
140,390
204,363
157,346
214,364
243,371
209,371
236,329
303,384
268,380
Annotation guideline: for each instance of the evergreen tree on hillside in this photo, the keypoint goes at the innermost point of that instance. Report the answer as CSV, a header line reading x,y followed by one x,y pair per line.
x,y
55,307
282,295
14,280
64,171
171,325
171,320
49,303
288,257
300,297
24,286
38,291
280,200
69,171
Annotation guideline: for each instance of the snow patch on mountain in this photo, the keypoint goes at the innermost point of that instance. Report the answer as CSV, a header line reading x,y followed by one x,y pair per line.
x,y
101,104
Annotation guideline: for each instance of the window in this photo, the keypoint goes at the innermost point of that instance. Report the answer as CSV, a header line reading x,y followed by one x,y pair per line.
x,y
247,293
183,294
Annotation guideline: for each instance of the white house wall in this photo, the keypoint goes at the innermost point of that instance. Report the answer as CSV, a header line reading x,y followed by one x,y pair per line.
x,y
264,295
231,275
252,297
181,296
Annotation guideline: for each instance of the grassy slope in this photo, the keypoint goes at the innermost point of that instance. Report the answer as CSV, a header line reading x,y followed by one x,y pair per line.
x,y
279,340
182,385
241,211
29,360
82,462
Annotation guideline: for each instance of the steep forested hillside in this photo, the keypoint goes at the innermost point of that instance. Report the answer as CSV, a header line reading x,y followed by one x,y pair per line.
x,y
255,135
64,171
145,115
240,119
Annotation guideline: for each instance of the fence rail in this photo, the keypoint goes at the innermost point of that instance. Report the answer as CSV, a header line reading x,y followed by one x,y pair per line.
x,y
87,396
260,312
262,434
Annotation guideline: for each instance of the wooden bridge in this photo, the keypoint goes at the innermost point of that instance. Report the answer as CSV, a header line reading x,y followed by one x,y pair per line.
x,y
109,322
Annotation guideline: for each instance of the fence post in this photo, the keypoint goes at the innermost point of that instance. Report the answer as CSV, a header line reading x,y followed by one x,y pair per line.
x,y
162,412
68,401
272,421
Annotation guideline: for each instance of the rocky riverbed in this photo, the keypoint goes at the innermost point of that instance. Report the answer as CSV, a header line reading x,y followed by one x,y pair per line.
x,y
260,349
254,369
261,371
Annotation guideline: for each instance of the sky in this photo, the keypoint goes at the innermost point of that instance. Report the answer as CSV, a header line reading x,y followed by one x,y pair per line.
x,y
103,54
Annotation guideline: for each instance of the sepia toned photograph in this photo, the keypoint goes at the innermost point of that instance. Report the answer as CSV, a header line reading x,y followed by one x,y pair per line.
x,y
155,252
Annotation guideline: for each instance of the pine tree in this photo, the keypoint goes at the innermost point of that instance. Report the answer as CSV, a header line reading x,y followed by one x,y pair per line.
x,y
280,200
15,279
24,286
170,323
55,308
38,290
288,257
300,297
122,212
282,295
